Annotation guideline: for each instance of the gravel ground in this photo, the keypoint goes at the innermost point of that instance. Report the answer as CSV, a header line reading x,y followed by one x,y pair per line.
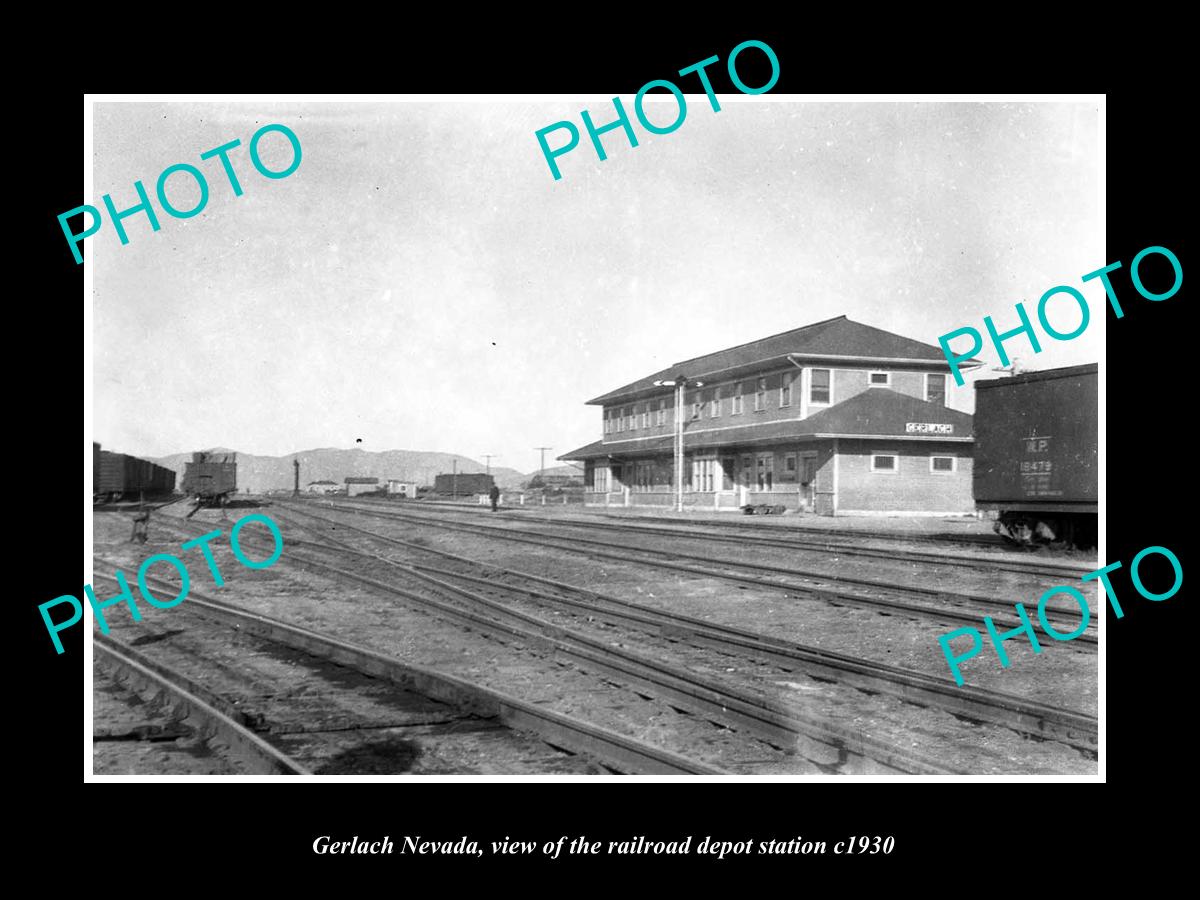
x,y
362,617
132,737
1062,674
365,617
798,524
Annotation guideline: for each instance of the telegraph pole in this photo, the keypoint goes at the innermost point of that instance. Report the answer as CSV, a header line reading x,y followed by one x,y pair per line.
x,y
489,457
296,489
542,470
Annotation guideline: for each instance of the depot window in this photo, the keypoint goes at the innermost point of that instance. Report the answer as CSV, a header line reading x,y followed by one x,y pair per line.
x,y
943,465
818,391
704,474
789,467
662,412
785,391
737,400
935,388
880,379
714,406
760,395
885,463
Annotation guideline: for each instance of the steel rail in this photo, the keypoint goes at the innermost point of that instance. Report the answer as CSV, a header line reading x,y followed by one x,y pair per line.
x,y
982,704
134,668
574,545
786,538
612,749
762,541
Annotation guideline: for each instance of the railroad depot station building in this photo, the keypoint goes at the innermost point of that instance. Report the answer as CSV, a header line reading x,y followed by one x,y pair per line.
x,y
833,418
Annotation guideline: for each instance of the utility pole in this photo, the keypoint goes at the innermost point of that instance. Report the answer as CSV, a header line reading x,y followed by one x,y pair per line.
x,y
680,383
542,470
489,457
454,478
296,489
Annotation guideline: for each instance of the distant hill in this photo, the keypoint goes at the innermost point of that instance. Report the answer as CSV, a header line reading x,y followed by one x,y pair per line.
x,y
265,473
572,471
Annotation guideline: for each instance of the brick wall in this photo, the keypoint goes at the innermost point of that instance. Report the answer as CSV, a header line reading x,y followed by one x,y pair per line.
x,y
913,487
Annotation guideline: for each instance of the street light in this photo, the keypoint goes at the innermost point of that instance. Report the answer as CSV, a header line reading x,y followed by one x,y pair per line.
x,y
680,383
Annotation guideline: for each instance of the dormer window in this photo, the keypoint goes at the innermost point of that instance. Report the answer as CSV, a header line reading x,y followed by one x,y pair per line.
x,y
880,379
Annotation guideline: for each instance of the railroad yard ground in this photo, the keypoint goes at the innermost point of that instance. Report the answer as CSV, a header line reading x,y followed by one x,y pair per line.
x,y
618,641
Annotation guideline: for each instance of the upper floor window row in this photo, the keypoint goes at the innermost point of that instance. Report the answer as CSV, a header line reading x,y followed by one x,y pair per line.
x,y
820,393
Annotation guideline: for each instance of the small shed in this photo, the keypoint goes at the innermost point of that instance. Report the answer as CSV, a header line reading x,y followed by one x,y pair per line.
x,y
322,487
402,488
358,485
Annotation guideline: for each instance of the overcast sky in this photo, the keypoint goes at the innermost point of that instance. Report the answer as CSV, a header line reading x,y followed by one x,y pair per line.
x,y
421,281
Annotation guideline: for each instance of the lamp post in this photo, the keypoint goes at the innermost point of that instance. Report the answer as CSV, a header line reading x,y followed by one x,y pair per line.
x,y
681,383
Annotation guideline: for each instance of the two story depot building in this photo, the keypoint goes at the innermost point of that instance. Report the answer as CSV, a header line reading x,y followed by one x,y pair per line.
x,y
835,418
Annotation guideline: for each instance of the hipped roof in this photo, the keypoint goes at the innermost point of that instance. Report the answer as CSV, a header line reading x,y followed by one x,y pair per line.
x,y
832,339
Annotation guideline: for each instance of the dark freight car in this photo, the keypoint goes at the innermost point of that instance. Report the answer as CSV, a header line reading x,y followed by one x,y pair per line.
x,y
117,476
1036,454
463,484
211,477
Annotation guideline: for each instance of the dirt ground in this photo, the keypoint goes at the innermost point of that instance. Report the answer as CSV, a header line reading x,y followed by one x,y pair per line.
x,y
1059,675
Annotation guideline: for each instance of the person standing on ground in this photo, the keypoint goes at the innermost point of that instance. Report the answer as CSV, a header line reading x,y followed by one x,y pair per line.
x,y
494,493
141,526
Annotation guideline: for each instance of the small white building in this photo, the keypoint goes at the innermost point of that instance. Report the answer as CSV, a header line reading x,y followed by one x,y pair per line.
x,y
322,487
356,485
402,488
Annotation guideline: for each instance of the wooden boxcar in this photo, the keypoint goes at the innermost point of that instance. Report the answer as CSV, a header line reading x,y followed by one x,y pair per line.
x,y
463,484
117,476
1036,443
211,477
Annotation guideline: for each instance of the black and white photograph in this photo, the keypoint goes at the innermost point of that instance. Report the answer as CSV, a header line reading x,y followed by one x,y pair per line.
x,y
526,437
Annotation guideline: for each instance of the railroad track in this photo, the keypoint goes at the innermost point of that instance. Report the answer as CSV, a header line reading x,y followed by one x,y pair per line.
x,y
162,686
951,608
780,537
1051,567
614,751
971,540
1040,720
974,563
826,746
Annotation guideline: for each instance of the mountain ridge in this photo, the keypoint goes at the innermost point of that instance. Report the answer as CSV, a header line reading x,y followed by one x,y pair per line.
x,y
265,473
